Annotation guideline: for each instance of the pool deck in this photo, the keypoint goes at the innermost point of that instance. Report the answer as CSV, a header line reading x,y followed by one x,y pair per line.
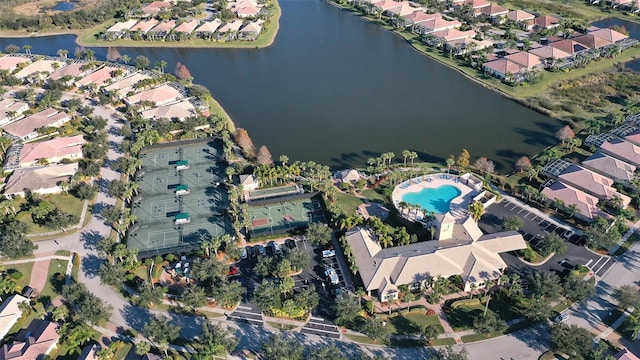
x,y
458,206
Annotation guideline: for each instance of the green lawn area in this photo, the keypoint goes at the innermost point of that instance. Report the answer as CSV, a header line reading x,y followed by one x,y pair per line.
x,y
25,269
627,244
462,317
63,252
375,195
360,339
55,266
66,202
348,203
412,323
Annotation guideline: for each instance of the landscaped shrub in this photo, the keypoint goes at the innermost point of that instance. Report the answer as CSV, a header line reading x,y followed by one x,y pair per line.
x,y
528,254
369,306
465,302
15,274
431,312
158,260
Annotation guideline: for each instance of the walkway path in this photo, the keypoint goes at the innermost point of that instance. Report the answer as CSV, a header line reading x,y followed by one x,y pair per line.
x,y
39,275
634,228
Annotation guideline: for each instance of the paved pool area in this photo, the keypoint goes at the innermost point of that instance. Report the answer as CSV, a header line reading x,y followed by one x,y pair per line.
x,y
436,193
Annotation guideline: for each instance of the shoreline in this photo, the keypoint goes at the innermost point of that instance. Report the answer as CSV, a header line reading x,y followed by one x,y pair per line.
x,y
520,100
83,38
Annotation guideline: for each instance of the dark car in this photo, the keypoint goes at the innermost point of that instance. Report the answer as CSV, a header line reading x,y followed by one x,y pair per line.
x,y
261,250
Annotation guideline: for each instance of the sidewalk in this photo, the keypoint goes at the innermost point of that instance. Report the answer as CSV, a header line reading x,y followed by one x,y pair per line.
x,y
634,228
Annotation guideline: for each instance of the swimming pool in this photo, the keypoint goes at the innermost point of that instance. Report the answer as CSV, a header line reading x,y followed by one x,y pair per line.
x,y
433,199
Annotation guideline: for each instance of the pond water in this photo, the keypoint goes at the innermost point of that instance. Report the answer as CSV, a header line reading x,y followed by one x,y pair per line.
x,y
632,28
64,6
338,90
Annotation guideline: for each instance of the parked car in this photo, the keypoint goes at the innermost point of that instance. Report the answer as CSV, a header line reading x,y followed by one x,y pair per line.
x,y
252,251
332,276
233,271
291,244
244,253
560,318
261,250
337,290
328,253
276,248
568,234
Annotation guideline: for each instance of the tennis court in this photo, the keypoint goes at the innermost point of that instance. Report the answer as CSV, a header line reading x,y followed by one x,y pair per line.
x,y
158,204
273,192
282,215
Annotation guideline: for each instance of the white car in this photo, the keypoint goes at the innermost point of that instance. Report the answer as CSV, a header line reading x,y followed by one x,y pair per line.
x,y
331,274
328,253
568,234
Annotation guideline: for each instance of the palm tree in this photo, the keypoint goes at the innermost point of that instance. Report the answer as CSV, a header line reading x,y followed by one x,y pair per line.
x,y
27,48
476,210
412,155
450,162
405,155
488,285
63,53
160,65
284,159
125,59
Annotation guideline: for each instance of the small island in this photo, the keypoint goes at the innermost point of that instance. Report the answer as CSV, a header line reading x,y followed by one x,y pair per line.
x,y
163,23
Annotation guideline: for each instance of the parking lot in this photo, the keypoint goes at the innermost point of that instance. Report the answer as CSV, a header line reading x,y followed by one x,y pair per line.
x,y
313,276
533,228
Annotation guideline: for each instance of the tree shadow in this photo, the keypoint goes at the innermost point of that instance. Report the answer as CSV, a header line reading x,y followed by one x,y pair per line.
x,y
90,265
90,239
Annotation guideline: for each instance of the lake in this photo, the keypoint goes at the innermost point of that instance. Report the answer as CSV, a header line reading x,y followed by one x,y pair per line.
x,y
632,28
338,90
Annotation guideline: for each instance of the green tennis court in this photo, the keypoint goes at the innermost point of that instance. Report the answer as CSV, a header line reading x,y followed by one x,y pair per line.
x,y
284,215
273,192
166,194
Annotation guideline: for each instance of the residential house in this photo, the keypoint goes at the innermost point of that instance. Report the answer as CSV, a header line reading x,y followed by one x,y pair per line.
x,y
348,175
39,69
592,183
414,18
439,38
10,312
229,31
90,352
619,170
469,253
569,46
26,129
463,46
610,35
476,5
586,205
11,109
100,77
72,71
207,28
186,28
625,354
251,31
34,342
53,151
161,30
632,136
10,63
591,41
180,111
402,10
249,182
123,87
435,24
530,61
160,95
495,12
41,180
545,22
503,69
551,55
143,26
155,8
622,150
245,8
520,18
120,28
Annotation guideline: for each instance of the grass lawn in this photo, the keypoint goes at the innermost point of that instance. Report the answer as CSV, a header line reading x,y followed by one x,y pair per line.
x,y
361,339
462,317
443,342
123,349
62,350
348,203
216,109
25,269
283,327
55,266
412,323
627,244
376,195
63,252
66,202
